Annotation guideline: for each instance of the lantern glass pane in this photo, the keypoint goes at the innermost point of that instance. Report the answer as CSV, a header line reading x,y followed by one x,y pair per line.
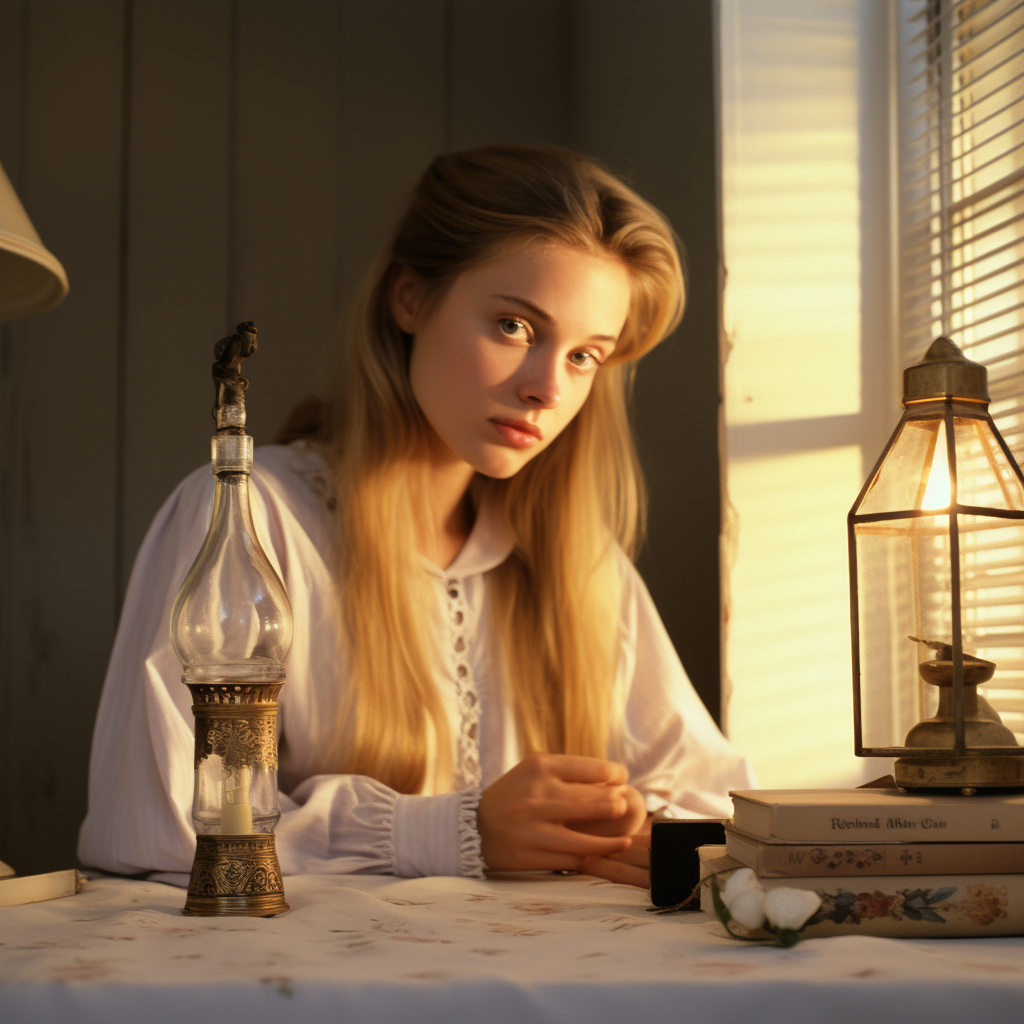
x,y
903,584
905,589
992,596
902,479
915,471
985,476
240,801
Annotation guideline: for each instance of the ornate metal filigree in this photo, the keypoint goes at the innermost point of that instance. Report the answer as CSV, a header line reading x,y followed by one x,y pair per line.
x,y
236,875
248,741
229,384
235,693
237,722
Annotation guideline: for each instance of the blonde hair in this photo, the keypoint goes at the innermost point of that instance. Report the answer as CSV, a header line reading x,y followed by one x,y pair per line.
x,y
555,599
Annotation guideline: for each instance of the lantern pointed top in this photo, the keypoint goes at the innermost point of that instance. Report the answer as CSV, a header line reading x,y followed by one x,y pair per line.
x,y
945,372
943,348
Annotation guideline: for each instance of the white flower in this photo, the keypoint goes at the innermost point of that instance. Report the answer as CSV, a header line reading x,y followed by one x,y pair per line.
x,y
739,882
789,908
743,897
747,908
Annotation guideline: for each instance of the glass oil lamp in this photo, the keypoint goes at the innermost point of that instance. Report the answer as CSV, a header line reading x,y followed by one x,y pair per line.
x,y
936,541
231,627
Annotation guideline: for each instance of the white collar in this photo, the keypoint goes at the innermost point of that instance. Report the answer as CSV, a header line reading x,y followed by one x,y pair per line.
x,y
489,543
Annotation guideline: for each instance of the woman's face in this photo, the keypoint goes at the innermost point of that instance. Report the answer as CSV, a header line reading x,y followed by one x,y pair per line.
x,y
506,359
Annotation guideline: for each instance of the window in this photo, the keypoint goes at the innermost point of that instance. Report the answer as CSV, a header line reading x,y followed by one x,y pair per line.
x,y
962,263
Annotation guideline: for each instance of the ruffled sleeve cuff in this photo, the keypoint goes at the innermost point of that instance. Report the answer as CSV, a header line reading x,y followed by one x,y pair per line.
x,y
437,835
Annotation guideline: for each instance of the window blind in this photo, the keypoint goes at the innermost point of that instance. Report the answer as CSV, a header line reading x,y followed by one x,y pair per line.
x,y
962,264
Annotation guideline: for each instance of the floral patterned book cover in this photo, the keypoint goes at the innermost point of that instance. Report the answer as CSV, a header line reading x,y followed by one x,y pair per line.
x,y
916,906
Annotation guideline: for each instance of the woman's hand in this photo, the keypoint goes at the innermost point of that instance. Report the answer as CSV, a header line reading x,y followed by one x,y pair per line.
x,y
524,818
629,823
633,867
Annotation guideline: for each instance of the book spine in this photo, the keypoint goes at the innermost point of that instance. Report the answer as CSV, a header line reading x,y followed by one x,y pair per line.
x,y
909,906
36,888
793,860
881,823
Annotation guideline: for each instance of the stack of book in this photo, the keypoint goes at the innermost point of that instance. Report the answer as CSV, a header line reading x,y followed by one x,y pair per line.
x,y
883,861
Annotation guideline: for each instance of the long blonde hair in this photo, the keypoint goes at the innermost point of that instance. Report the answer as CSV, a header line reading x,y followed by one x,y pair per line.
x,y
554,600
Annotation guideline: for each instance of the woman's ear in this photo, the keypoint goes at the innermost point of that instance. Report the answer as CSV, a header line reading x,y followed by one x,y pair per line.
x,y
404,295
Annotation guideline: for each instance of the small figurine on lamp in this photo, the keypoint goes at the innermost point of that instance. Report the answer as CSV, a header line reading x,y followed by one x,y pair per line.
x,y
928,538
231,627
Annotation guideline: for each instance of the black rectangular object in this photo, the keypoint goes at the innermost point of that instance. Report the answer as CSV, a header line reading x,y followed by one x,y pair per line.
x,y
675,867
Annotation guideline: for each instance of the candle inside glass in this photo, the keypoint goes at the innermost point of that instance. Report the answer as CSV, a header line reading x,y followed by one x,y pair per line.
x,y
235,808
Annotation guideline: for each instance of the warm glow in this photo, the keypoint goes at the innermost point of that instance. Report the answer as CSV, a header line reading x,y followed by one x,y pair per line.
x,y
937,490
804,377
789,628
792,225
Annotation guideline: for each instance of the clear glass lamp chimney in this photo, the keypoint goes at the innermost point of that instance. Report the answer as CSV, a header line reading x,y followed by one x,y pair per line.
x,y
231,627
231,620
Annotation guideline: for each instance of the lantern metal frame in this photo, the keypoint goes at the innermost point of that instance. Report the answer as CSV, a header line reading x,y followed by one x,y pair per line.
x,y
963,766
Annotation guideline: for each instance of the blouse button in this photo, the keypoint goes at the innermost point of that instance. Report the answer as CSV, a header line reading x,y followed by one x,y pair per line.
x,y
460,644
458,618
453,593
462,670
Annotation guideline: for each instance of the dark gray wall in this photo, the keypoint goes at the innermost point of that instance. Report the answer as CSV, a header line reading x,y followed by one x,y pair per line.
x,y
202,162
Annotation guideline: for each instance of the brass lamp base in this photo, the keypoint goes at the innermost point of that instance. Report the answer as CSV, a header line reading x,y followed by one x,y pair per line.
x,y
964,772
235,875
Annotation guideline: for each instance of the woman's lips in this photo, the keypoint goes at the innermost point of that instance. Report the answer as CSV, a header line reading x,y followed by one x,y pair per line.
x,y
517,433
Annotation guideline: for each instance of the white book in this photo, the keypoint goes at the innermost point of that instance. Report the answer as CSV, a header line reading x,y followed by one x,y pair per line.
x,y
35,888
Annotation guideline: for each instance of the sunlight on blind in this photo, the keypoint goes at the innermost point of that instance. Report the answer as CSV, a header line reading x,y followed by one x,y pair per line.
x,y
796,423
962,254
789,631
791,227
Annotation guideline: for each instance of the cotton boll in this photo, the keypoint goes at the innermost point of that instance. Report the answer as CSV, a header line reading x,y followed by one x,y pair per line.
x,y
739,882
747,908
789,908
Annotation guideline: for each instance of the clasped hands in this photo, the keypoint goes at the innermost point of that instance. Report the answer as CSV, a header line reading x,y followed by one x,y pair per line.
x,y
560,812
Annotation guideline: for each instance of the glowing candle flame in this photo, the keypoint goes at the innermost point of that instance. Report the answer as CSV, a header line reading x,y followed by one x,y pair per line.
x,y
937,492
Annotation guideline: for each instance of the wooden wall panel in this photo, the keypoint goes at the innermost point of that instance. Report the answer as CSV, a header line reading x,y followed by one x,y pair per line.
x,y
179,146
287,200
60,449
12,38
12,18
644,102
508,72
392,118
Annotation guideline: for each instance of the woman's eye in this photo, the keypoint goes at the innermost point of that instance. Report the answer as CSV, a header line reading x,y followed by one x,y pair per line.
x,y
510,327
584,360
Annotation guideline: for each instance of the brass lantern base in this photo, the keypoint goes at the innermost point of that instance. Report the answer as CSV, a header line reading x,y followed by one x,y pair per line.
x,y
960,772
235,875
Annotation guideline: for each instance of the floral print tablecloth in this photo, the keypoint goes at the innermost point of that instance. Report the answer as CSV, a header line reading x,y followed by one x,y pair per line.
x,y
514,949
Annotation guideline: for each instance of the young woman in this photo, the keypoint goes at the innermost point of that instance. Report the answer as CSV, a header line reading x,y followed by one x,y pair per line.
x,y
478,678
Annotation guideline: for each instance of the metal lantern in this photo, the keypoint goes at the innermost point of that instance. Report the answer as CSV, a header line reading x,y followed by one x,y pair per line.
x,y
936,555
231,628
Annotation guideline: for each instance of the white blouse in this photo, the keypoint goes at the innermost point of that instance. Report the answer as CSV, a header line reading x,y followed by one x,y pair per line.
x,y
141,771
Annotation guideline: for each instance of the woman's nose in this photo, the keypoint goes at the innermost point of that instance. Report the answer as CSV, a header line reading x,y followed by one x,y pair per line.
x,y
541,388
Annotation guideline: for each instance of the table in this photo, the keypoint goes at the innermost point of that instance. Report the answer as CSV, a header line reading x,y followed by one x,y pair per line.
x,y
538,948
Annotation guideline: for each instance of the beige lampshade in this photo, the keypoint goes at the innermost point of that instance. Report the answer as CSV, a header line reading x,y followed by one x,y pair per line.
x,y
31,277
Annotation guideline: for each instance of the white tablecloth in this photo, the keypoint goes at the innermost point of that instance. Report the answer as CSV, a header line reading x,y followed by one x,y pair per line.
x,y
519,949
